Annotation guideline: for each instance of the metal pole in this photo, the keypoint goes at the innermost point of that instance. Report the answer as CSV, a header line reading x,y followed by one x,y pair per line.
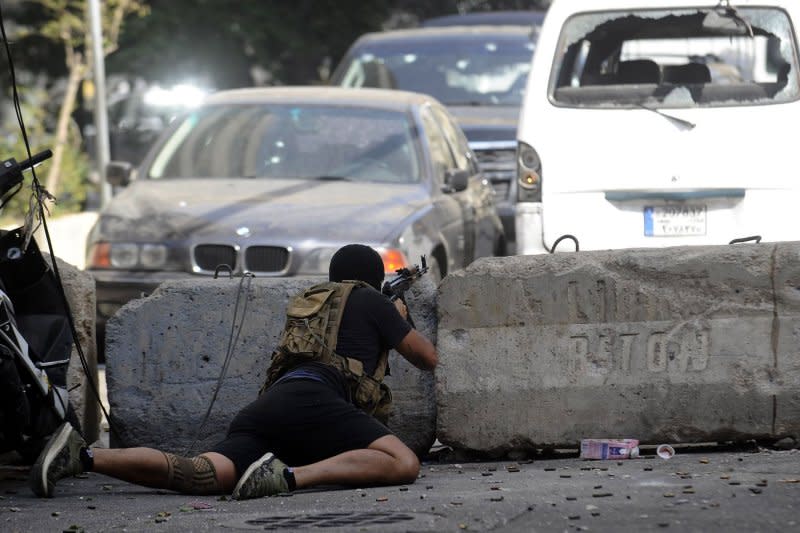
x,y
100,107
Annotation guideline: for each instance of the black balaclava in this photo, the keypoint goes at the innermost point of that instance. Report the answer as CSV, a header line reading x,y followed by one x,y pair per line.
x,y
357,262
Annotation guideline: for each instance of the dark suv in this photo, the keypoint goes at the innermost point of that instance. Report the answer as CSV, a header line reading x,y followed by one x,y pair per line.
x,y
478,71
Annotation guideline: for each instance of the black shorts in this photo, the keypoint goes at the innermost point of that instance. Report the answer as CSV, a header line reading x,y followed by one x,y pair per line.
x,y
300,421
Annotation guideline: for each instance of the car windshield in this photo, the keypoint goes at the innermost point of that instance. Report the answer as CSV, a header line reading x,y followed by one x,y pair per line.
x,y
676,58
478,70
291,141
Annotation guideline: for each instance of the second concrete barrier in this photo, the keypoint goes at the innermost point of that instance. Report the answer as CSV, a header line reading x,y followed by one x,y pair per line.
x,y
674,345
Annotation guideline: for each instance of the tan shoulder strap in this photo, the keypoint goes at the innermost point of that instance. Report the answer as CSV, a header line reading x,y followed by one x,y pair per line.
x,y
383,364
354,366
344,289
335,319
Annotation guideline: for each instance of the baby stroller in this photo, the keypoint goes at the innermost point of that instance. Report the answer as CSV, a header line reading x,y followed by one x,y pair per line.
x,y
35,339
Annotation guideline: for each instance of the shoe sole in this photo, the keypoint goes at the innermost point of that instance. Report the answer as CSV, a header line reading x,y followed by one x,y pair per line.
x,y
40,485
264,459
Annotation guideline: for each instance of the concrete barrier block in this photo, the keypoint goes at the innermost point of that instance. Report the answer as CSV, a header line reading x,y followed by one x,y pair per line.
x,y
165,354
79,288
413,416
686,344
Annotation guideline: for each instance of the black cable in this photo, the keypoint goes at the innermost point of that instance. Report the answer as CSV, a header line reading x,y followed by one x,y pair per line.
x,y
753,238
37,192
233,338
564,237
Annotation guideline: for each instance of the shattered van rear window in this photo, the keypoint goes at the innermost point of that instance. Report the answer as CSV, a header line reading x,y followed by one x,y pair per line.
x,y
676,58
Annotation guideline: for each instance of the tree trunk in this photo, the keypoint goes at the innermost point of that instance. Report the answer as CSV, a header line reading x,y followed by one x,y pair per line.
x,y
76,73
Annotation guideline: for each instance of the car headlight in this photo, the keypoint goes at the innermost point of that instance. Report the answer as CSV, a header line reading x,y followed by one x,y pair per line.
x,y
124,255
153,255
393,259
127,255
317,261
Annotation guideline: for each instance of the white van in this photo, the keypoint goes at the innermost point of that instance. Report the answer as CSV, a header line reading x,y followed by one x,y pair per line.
x,y
651,123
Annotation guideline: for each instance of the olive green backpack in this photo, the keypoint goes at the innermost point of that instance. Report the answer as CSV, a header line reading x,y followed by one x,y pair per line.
x,y
310,334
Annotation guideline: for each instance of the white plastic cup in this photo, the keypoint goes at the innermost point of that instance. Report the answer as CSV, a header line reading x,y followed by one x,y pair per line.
x,y
665,451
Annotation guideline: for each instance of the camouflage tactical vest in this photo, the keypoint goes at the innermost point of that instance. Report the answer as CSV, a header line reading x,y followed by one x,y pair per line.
x,y
310,334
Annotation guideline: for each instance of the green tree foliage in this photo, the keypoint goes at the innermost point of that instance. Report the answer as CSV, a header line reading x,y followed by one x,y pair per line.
x,y
221,43
227,43
75,164
65,23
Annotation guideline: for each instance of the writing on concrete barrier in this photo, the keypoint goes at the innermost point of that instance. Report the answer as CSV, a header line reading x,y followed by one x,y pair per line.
x,y
638,348
597,302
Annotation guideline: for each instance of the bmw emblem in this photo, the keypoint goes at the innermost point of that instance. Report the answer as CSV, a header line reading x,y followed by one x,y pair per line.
x,y
243,231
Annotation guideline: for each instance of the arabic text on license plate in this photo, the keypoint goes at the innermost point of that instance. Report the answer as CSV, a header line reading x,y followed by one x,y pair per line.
x,y
674,220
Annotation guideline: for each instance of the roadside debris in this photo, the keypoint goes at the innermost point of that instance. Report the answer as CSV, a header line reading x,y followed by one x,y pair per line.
x,y
609,448
665,451
196,506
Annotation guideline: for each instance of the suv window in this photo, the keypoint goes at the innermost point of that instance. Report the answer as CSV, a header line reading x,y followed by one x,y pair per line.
x,y
477,69
676,58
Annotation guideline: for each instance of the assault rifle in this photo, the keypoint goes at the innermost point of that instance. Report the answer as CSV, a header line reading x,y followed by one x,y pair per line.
x,y
397,286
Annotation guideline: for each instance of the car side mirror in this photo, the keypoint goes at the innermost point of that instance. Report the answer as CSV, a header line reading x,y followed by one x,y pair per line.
x,y
456,180
118,173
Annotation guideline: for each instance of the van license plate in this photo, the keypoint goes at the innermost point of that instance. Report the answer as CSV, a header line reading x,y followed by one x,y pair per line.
x,y
674,220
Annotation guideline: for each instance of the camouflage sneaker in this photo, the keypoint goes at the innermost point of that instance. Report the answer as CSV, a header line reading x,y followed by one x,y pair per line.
x,y
59,459
262,478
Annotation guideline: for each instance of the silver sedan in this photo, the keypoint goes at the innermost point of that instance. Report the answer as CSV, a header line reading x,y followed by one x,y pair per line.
x,y
272,181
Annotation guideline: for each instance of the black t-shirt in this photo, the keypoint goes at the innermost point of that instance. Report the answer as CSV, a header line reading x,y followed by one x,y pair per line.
x,y
370,324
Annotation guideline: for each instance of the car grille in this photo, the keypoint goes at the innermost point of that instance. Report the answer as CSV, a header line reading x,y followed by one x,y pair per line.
x,y
266,258
210,256
498,166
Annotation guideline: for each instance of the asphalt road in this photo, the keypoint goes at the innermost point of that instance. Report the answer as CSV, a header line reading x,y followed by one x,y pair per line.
x,y
706,490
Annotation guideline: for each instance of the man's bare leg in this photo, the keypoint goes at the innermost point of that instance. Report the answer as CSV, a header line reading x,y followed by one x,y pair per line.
x,y
150,468
387,461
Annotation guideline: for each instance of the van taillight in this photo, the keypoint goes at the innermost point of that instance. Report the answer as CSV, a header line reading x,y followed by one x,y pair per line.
x,y
529,174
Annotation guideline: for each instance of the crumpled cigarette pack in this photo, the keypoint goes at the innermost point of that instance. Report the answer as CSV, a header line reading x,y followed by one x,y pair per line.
x,y
609,448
